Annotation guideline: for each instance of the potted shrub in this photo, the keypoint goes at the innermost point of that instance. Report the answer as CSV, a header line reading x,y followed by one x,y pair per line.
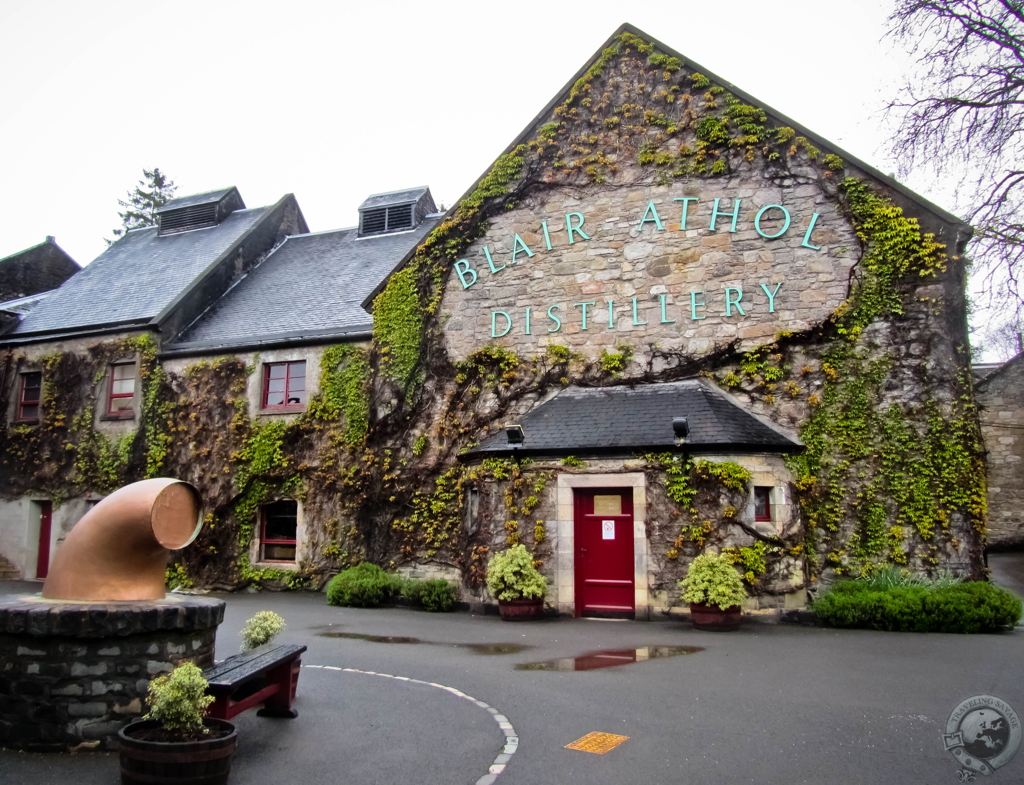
x,y
714,590
260,630
175,743
516,584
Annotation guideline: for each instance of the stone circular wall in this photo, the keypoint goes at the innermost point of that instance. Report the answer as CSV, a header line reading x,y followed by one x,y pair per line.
x,y
74,672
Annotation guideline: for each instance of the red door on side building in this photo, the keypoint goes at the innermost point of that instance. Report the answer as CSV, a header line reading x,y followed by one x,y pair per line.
x,y
604,552
43,557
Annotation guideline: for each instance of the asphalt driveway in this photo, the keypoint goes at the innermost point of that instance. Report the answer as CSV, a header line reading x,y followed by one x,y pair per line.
x,y
768,704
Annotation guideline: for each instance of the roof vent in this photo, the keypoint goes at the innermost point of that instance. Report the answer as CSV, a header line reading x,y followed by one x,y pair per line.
x,y
395,211
198,211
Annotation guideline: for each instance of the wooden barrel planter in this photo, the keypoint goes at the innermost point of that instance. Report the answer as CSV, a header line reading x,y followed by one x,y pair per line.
x,y
711,618
204,762
521,609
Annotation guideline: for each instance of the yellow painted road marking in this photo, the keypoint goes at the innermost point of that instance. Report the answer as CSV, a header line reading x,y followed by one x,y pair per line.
x,y
599,743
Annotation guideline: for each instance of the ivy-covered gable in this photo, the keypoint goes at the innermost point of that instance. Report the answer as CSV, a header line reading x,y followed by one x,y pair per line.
x,y
865,382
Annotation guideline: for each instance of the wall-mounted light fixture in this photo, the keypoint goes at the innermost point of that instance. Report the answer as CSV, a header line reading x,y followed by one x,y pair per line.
x,y
514,434
681,427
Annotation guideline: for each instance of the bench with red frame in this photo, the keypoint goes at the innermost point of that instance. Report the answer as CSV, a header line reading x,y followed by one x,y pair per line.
x,y
267,675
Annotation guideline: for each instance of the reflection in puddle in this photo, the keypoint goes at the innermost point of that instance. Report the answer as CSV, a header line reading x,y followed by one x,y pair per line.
x,y
494,648
609,658
476,648
370,638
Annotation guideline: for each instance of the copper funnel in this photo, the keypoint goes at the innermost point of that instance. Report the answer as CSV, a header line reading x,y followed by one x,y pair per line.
x,y
118,551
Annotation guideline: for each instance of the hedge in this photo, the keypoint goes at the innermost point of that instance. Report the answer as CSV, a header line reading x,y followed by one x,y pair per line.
x,y
368,586
363,586
961,608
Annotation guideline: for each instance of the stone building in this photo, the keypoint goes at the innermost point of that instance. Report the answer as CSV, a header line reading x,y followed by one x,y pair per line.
x,y
1001,401
27,278
214,277
667,319
41,268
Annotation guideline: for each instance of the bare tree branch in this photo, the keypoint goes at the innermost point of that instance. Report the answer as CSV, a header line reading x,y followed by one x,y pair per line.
x,y
961,114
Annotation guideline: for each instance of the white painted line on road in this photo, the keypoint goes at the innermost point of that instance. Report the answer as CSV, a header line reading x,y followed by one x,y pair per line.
x,y
510,745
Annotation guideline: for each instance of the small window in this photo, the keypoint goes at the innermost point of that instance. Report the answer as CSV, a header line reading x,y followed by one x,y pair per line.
x,y
28,396
277,539
762,503
284,385
122,390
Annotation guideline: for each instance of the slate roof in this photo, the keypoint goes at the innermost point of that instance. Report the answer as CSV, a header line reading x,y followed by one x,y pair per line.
x,y
597,420
23,305
991,371
192,200
137,277
394,197
312,286
41,268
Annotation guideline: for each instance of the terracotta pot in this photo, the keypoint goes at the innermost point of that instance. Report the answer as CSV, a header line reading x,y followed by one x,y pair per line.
x,y
521,609
711,618
176,763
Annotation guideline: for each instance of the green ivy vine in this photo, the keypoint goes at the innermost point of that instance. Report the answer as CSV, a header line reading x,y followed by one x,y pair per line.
x,y
344,381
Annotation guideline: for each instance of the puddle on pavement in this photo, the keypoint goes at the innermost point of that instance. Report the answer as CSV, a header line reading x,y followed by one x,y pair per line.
x,y
494,648
609,658
370,638
476,648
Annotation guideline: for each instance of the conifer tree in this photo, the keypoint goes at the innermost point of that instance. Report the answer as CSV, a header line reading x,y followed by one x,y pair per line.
x,y
151,193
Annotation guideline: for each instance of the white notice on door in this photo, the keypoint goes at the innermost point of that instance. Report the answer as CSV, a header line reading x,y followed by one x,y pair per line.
x,y
607,530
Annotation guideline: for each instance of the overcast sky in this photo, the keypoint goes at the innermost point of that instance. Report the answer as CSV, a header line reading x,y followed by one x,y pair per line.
x,y
334,101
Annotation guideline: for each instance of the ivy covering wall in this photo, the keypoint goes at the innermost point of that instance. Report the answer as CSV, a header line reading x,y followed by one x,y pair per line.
x,y
892,471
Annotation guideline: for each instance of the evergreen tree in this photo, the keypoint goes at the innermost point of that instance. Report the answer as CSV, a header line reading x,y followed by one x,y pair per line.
x,y
151,193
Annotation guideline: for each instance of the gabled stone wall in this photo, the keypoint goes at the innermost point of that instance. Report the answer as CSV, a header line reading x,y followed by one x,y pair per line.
x,y
1001,399
666,285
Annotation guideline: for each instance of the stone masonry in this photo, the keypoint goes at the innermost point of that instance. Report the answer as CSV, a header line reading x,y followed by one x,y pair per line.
x,y
657,522
674,275
1001,399
73,672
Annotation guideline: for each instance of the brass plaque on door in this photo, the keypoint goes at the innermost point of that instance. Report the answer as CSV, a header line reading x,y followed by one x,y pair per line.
x,y
608,505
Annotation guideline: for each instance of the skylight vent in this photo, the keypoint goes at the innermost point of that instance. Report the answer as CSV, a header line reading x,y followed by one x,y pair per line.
x,y
386,219
396,211
198,211
194,217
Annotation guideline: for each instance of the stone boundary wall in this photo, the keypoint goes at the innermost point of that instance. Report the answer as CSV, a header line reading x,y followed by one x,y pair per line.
x,y
75,672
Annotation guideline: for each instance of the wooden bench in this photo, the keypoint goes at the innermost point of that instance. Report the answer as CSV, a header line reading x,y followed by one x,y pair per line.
x,y
267,675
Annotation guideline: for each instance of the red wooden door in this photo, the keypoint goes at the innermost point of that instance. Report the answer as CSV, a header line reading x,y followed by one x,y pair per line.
x,y
604,552
45,519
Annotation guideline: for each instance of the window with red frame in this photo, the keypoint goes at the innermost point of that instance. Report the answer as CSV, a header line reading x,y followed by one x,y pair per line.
x,y
28,396
278,525
762,503
122,390
284,385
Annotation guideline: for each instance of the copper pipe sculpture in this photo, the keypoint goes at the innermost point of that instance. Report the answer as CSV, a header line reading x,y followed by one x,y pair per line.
x,y
118,551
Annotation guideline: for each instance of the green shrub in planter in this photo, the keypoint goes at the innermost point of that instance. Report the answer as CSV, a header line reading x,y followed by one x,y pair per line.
x,y
712,580
178,701
363,586
957,608
512,576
